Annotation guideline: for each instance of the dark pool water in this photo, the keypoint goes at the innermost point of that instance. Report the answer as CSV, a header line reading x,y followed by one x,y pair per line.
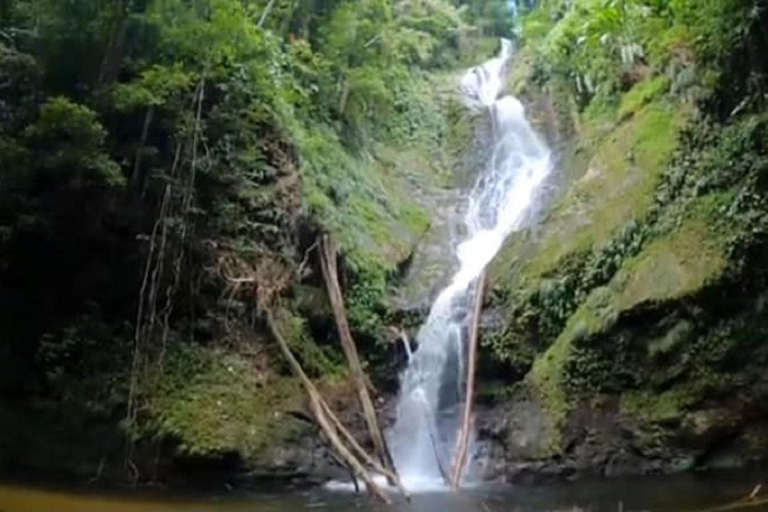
x,y
710,493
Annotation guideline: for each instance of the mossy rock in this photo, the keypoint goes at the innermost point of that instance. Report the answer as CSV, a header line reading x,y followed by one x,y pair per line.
x,y
617,187
214,401
371,199
641,94
664,407
622,166
546,380
640,284
359,201
670,268
593,227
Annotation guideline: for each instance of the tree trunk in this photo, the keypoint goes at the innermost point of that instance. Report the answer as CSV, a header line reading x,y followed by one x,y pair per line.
x,y
264,14
322,412
330,276
113,54
373,463
138,176
463,439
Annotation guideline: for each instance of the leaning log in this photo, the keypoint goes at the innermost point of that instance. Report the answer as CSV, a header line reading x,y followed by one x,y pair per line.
x,y
462,446
364,456
328,252
323,415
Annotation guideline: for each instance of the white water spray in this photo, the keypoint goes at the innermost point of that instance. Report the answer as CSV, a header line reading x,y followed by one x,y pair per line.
x,y
423,438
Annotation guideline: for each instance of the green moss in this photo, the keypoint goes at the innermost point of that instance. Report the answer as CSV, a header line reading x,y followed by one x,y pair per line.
x,y
359,201
669,252
671,341
669,406
320,362
642,94
521,76
618,186
546,379
215,401
670,267
626,169
599,116
673,266
651,406
550,373
377,202
365,300
371,199
596,314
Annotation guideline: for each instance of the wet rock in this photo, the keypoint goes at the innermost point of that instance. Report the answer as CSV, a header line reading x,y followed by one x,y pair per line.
x,y
432,257
518,441
706,426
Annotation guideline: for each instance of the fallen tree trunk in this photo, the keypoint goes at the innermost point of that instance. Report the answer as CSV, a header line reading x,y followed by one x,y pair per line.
x,y
462,446
327,251
327,421
393,477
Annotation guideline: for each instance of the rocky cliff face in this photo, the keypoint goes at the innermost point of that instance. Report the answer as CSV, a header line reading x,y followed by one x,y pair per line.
x,y
633,331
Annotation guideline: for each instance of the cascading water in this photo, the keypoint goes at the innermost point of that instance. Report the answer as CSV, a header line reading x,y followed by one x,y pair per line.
x,y
432,388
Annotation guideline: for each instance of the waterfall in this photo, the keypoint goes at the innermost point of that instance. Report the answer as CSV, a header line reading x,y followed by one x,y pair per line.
x,y
432,386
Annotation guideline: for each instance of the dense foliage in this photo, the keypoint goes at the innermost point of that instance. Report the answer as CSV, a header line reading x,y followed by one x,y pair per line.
x,y
160,159
604,47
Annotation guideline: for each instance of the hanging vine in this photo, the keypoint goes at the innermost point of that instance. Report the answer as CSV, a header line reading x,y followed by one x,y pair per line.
x,y
167,244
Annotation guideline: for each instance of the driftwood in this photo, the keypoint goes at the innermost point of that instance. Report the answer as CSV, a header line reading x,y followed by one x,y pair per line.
x,y
752,500
328,422
462,446
327,252
741,505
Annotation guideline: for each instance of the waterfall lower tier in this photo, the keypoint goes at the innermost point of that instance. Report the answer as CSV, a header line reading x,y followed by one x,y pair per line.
x,y
423,439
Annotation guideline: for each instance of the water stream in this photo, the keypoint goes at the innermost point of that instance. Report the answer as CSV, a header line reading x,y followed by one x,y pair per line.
x,y
682,493
432,390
